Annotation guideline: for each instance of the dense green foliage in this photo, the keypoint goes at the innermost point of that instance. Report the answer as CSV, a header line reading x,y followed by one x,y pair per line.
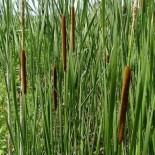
x,y
86,120
3,128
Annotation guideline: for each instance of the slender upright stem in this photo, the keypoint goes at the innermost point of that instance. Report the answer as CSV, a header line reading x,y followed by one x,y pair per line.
x,y
134,14
8,97
7,81
22,22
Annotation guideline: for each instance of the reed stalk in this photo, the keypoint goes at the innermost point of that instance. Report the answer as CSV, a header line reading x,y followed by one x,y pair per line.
x,y
8,89
64,43
124,103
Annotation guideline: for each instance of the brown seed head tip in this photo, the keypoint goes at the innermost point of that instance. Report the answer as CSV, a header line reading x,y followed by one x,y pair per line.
x,y
63,20
72,10
23,57
127,74
54,67
22,50
54,75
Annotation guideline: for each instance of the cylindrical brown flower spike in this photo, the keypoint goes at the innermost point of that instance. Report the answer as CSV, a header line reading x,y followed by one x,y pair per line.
x,y
124,103
55,87
23,72
73,28
64,42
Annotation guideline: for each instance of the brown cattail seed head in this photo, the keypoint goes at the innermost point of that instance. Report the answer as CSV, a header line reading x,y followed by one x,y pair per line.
x,y
55,87
124,103
73,28
64,42
23,72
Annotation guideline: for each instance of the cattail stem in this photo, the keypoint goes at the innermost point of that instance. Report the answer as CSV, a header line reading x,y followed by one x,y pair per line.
x,y
8,96
64,42
23,72
22,21
73,28
134,14
55,87
124,103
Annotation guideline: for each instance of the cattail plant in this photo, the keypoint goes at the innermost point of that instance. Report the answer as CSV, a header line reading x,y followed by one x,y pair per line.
x,y
23,56
23,74
73,28
124,103
55,87
64,43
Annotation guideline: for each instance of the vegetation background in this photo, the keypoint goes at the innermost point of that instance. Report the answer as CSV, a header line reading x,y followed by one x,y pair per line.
x,y
79,112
